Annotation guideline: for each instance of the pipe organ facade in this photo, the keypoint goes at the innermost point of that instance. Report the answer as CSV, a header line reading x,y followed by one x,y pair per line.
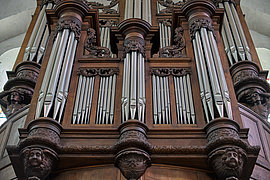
x,y
137,89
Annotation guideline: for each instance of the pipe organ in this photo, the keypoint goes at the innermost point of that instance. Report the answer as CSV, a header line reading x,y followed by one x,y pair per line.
x,y
138,89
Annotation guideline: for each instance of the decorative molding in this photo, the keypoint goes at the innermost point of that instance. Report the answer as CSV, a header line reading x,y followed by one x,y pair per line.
x,y
71,23
178,149
134,44
170,71
105,72
197,23
170,5
90,47
228,162
38,162
105,9
175,50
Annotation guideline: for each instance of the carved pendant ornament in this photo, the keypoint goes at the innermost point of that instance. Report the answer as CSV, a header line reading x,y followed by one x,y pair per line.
x,y
227,153
228,162
71,23
175,50
91,50
38,162
197,23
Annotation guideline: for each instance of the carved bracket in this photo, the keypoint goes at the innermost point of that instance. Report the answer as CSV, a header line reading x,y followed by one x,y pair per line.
x,y
19,88
227,153
132,157
170,71
38,150
90,47
251,87
90,72
71,23
175,50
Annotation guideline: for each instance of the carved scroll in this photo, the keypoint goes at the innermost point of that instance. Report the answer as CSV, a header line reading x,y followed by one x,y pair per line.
x,y
91,50
175,50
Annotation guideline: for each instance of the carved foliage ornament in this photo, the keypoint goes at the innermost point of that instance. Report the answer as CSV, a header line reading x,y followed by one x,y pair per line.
x,y
90,47
175,50
196,24
90,72
134,44
106,9
71,23
170,71
170,4
38,162
228,163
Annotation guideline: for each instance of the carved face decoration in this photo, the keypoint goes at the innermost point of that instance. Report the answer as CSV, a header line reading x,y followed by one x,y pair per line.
x,y
35,157
230,158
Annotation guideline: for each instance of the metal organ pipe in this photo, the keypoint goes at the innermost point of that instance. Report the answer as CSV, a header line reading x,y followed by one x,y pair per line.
x,y
54,88
39,37
234,34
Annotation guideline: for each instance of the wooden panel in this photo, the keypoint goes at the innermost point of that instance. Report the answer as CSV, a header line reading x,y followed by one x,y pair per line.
x,y
155,172
254,137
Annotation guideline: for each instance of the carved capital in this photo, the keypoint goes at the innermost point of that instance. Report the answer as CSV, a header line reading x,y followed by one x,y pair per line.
x,y
90,47
134,44
38,162
175,50
251,87
132,163
69,22
197,23
228,162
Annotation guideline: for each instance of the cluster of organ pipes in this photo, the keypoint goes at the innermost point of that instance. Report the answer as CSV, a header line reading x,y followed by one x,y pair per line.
x,y
233,36
138,9
83,101
161,100
133,92
106,98
54,88
39,37
212,83
184,100
164,34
